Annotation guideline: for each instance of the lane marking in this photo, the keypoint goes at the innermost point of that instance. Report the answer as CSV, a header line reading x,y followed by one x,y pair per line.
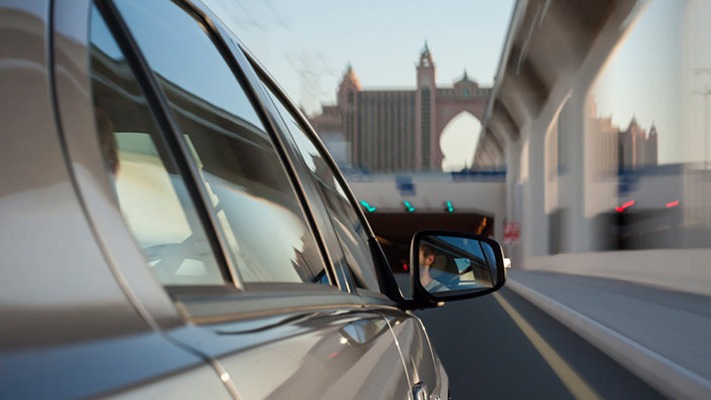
x,y
572,381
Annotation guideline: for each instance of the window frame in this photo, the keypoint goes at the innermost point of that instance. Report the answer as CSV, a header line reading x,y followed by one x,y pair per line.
x,y
169,132
389,290
287,149
235,289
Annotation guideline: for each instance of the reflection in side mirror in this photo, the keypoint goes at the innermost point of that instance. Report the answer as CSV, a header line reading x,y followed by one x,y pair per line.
x,y
450,265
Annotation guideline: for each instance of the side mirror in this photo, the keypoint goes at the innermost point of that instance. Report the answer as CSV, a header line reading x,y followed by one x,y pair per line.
x,y
453,266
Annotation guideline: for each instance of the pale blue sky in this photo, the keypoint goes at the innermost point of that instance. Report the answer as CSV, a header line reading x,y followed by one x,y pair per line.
x,y
307,45
642,79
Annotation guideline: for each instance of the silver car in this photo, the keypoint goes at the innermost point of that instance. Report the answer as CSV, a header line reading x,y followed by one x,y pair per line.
x,y
171,227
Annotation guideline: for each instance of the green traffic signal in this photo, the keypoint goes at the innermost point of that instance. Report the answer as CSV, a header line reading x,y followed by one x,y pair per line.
x,y
367,206
449,207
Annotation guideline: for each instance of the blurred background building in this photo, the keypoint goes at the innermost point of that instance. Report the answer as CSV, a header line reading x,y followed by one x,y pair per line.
x,y
383,131
636,147
604,134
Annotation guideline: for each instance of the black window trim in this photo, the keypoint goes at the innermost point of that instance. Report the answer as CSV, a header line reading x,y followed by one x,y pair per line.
x,y
234,57
271,119
386,280
324,222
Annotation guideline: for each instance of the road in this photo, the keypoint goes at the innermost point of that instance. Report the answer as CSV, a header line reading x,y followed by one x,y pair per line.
x,y
502,347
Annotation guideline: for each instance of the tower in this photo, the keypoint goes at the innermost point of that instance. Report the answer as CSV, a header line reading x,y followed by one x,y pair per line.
x,y
425,106
347,104
396,130
652,155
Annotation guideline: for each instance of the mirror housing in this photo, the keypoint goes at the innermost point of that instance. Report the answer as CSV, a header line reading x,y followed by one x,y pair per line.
x,y
448,266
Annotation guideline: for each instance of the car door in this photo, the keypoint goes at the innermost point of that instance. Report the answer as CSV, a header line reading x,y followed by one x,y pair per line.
x,y
223,223
358,252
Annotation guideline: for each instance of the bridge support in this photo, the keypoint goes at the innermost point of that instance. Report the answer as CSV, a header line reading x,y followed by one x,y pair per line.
x,y
535,221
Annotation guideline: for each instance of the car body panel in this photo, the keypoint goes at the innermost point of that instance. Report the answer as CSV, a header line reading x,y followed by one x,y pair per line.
x,y
76,113
69,329
196,383
420,360
232,352
98,367
39,206
324,354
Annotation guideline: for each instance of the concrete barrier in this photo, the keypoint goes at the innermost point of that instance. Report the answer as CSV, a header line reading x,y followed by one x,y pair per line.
x,y
659,372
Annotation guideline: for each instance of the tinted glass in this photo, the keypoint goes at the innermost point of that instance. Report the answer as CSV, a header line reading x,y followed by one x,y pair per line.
x,y
150,191
349,229
250,191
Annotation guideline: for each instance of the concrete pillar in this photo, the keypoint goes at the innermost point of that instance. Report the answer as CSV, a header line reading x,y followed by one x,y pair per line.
x,y
513,196
571,125
587,185
535,223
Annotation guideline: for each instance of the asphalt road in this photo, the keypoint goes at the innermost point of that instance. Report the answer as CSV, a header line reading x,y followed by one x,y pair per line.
x,y
502,347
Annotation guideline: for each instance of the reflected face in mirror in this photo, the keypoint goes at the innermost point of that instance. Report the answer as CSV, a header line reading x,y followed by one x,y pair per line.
x,y
426,258
456,263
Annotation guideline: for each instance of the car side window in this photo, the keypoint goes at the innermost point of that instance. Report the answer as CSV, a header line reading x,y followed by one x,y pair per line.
x,y
253,198
151,193
350,231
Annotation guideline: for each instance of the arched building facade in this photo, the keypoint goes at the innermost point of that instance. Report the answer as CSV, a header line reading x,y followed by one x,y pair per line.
x,y
396,130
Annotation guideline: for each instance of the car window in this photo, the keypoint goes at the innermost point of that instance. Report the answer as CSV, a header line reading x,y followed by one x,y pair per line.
x,y
246,181
150,191
350,231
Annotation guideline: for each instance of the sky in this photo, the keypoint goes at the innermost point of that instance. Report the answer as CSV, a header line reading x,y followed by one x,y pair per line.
x,y
652,76
641,79
307,46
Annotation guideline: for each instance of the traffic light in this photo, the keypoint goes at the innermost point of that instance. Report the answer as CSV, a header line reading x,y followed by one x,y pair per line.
x,y
367,206
408,206
448,207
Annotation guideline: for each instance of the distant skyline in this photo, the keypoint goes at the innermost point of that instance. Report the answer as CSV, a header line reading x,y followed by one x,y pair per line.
x,y
641,79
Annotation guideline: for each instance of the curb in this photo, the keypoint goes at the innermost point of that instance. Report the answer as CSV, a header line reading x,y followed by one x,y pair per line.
x,y
664,375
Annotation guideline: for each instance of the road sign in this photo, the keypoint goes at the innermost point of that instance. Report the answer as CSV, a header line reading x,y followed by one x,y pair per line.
x,y
405,185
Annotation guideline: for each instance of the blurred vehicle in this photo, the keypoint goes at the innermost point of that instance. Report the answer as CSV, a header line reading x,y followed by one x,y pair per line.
x,y
173,228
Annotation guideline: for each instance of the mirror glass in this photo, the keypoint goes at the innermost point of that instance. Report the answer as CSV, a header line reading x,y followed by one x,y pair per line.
x,y
456,263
